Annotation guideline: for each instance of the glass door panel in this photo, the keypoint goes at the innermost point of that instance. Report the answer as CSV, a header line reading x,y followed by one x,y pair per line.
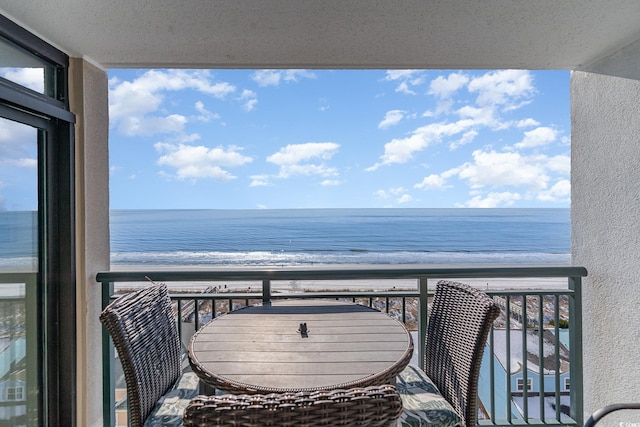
x,y
20,385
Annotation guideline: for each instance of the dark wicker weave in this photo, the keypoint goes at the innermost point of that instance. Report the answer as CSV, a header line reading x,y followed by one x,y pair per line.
x,y
459,323
388,376
145,334
370,406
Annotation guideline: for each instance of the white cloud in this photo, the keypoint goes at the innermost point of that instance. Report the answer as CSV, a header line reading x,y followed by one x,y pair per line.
x,y
305,159
490,168
401,150
147,126
194,162
480,116
432,182
397,190
561,191
502,87
27,163
493,200
493,88
538,137
330,182
401,74
17,141
205,115
403,87
527,123
33,78
406,79
250,99
295,75
259,181
274,77
560,164
382,194
394,191
405,198
466,138
133,105
444,87
392,118
267,77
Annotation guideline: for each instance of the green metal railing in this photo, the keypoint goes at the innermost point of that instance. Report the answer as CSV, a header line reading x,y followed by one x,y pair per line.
x,y
517,308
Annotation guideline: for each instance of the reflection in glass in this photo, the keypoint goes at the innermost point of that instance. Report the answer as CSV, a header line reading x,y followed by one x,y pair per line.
x,y
19,390
23,68
18,197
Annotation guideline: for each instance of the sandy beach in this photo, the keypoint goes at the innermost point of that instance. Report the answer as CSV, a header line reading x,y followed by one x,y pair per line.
x,y
339,285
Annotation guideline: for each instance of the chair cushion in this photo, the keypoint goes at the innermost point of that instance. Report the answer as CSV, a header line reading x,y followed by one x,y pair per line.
x,y
423,405
170,408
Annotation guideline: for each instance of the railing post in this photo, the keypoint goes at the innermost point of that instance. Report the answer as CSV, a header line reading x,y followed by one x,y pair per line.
x,y
422,319
575,349
108,355
266,291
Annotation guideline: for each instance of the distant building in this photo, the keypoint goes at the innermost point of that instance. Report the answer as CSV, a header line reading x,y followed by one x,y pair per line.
x,y
527,375
13,386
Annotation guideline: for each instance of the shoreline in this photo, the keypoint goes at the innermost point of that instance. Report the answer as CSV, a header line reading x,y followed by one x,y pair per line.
x,y
342,284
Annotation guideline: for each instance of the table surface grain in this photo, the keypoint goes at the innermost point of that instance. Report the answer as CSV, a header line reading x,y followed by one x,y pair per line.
x,y
262,347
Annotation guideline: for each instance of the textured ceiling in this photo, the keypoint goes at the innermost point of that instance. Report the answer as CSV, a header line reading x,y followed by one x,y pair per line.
x,y
532,34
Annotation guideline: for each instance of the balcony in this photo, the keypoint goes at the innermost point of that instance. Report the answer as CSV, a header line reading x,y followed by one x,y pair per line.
x,y
541,315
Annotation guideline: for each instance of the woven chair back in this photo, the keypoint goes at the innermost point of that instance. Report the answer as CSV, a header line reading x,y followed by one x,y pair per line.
x,y
459,323
375,406
145,335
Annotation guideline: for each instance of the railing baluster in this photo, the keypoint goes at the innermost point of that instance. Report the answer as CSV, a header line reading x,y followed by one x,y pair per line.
x,y
179,304
423,315
508,356
556,330
196,318
525,359
266,291
492,378
108,362
541,353
575,349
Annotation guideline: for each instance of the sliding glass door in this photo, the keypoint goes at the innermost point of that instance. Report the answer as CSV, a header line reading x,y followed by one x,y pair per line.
x,y
37,243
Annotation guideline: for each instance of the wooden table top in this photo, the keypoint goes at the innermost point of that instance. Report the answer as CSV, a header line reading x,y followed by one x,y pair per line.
x,y
260,349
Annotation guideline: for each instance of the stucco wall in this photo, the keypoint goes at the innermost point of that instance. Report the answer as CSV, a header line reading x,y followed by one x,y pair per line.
x,y
88,92
605,227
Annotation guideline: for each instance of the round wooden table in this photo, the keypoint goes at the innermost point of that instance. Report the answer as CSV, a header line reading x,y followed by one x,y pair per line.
x,y
300,345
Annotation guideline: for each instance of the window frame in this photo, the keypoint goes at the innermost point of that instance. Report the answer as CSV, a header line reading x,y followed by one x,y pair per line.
x,y
520,384
56,224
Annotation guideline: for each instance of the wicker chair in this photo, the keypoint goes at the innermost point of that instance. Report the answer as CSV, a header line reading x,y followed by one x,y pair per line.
x,y
144,332
459,324
369,406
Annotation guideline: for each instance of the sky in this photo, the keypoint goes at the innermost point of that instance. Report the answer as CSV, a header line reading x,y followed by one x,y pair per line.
x,y
272,139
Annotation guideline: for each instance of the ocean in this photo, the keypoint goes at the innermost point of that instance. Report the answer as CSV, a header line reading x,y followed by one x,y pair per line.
x,y
316,237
